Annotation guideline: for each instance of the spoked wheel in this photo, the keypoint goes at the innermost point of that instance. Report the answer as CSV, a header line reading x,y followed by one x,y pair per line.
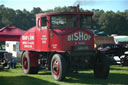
x,y
26,65
58,67
102,67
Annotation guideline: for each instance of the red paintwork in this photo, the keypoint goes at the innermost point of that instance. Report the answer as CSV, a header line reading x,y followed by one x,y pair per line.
x,y
33,59
62,13
45,40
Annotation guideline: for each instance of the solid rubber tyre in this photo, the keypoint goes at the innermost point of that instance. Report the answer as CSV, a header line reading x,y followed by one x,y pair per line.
x,y
58,67
102,67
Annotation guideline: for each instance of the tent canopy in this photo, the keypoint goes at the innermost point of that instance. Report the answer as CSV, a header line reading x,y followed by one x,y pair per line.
x,y
10,33
124,39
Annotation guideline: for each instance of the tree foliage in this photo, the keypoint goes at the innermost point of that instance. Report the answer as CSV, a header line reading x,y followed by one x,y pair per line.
x,y
110,22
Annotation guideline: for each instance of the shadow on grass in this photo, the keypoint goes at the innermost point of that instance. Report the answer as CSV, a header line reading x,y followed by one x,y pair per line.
x,y
88,78
23,80
72,78
4,70
45,73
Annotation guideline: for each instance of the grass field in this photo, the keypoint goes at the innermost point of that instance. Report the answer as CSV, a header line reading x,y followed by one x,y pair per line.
x,y
118,76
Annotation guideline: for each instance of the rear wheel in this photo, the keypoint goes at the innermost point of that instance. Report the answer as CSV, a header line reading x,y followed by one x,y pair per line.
x,y
26,64
102,67
58,67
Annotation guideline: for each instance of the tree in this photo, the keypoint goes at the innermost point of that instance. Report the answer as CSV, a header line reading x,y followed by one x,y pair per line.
x,y
96,16
7,16
110,22
113,23
36,10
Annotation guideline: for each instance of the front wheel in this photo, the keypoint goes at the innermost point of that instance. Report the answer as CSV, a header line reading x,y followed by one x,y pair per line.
x,y
102,66
58,67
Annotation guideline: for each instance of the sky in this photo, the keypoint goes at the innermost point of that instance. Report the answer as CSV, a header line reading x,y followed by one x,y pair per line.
x,y
107,5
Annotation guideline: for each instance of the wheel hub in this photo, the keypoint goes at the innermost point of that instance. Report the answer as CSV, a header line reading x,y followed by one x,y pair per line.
x,y
55,67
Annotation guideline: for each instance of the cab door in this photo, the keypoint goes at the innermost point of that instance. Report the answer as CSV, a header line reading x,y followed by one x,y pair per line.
x,y
42,38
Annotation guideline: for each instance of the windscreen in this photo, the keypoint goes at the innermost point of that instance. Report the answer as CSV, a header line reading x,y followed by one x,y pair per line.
x,y
64,22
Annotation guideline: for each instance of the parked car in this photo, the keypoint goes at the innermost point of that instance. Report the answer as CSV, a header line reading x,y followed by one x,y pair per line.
x,y
4,60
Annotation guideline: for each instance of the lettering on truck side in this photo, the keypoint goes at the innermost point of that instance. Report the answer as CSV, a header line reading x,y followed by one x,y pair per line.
x,y
28,37
28,44
79,36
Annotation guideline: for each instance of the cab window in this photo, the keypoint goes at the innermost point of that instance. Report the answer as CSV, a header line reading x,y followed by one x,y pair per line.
x,y
64,21
43,22
85,22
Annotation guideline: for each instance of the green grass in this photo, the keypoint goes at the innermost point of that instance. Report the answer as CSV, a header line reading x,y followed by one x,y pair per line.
x,y
118,76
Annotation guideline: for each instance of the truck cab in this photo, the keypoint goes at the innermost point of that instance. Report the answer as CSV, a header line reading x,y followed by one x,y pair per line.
x,y
60,32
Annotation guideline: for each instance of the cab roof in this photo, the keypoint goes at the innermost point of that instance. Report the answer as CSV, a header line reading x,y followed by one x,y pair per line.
x,y
63,13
